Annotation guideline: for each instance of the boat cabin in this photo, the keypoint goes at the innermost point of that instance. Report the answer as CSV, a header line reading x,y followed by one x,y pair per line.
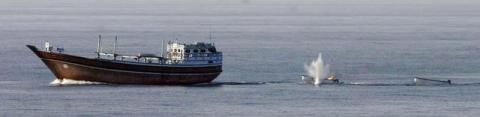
x,y
196,53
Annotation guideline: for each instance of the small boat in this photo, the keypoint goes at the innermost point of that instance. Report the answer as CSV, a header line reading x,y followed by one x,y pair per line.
x,y
307,79
330,80
180,64
428,81
333,80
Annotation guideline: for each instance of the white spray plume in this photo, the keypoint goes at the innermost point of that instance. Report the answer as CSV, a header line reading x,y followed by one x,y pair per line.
x,y
318,70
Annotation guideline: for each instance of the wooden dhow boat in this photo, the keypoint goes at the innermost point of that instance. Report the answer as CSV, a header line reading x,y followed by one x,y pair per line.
x,y
182,64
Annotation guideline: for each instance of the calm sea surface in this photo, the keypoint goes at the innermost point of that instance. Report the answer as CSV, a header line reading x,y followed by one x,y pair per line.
x,y
375,46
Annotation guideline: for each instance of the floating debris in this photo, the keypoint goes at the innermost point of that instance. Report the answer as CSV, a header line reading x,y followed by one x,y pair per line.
x,y
429,81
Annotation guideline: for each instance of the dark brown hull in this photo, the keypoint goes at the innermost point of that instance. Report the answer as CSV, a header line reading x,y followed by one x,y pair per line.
x,y
71,67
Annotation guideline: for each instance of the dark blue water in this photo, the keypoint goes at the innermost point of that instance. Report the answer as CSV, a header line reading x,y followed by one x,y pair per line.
x,y
376,47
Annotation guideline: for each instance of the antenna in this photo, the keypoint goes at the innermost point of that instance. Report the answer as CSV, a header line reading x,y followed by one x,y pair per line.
x,y
210,37
115,48
161,54
99,46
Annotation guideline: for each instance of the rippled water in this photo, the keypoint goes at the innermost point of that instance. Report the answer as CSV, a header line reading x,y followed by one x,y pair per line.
x,y
376,47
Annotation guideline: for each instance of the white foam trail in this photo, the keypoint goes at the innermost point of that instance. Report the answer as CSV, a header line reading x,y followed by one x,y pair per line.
x,y
56,82
318,70
72,82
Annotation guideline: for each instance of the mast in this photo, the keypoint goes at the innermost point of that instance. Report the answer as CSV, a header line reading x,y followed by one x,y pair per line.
x,y
99,46
163,44
211,37
210,33
115,48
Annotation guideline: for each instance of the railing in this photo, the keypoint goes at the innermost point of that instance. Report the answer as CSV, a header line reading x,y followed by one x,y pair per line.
x,y
189,58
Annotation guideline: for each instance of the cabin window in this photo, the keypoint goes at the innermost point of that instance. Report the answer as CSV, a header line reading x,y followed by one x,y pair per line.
x,y
195,51
202,50
187,51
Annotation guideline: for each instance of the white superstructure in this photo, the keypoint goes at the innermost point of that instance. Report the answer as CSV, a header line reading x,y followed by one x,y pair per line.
x,y
197,53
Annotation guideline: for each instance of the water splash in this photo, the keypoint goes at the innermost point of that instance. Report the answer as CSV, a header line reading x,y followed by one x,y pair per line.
x,y
317,70
57,82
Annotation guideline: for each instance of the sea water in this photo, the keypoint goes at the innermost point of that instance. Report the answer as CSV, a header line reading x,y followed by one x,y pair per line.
x,y
375,47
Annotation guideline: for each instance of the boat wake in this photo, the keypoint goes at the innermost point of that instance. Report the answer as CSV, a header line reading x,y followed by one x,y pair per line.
x,y
240,83
378,84
68,82
58,82
215,84
405,84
